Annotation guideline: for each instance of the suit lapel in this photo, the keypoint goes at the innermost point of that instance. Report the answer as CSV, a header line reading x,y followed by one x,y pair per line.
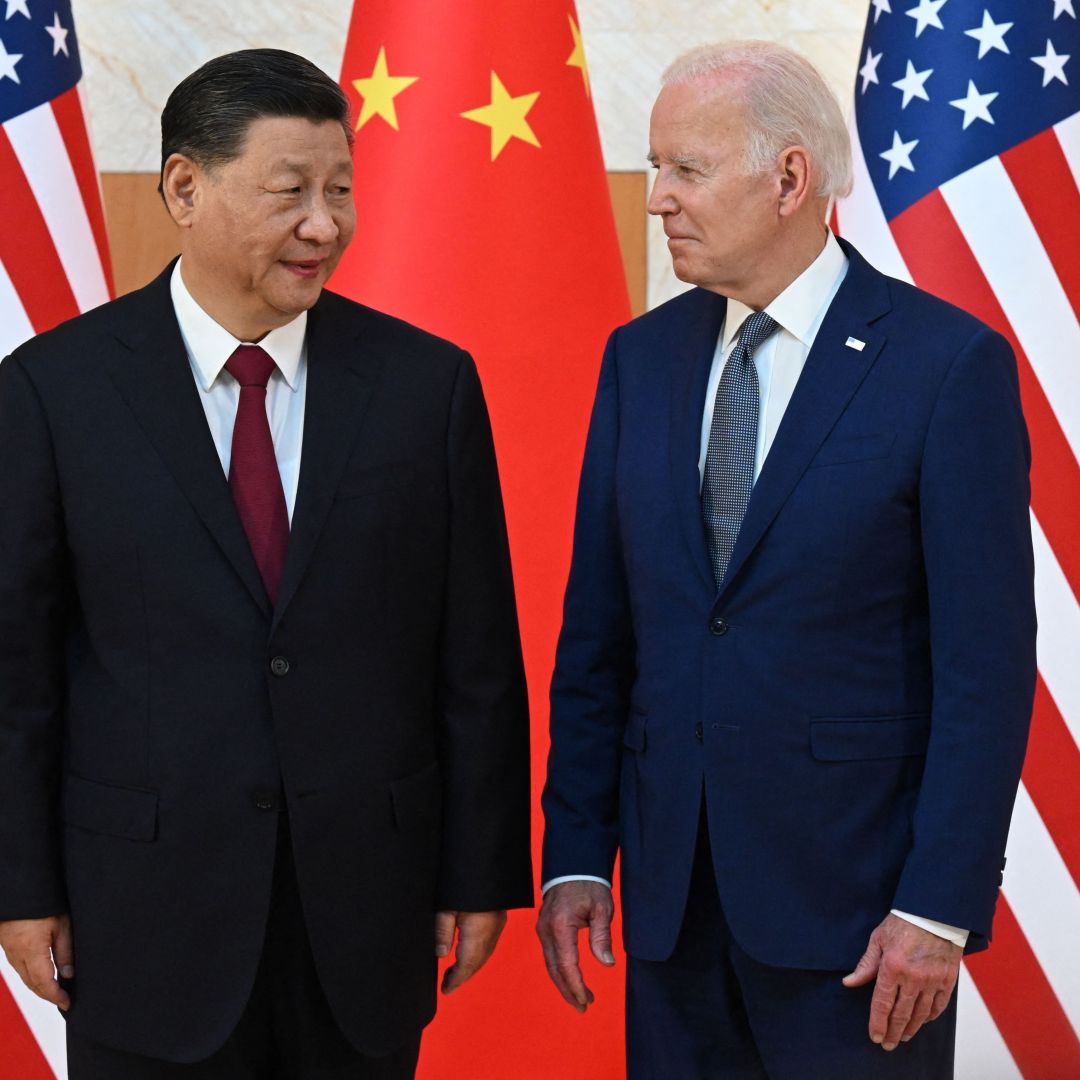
x,y
153,375
832,374
691,365
340,380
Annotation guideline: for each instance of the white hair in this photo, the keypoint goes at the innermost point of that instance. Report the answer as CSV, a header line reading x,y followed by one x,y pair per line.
x,y
787,102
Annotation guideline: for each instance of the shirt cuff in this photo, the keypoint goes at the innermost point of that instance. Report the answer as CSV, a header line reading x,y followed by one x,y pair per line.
x,y
943,930
572,877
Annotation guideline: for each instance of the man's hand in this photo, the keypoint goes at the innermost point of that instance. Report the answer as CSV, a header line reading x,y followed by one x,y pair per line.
x,y
916,973
568,908
39,950
477,933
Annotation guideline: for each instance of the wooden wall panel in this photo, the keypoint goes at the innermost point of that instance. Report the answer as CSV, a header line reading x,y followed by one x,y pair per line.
x,y
142,237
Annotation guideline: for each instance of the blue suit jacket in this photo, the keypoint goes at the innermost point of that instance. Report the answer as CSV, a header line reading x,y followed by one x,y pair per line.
x,y
855,698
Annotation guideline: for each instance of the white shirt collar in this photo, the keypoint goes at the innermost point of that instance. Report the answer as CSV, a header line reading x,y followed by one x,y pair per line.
x,y
800,308
210,345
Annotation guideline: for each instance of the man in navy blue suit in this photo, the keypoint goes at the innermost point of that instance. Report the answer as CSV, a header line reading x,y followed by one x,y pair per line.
x,y
796,668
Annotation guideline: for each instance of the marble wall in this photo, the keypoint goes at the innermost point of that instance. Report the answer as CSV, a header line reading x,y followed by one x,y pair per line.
x,y
134,52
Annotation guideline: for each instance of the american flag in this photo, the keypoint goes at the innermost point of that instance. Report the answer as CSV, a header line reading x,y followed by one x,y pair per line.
x,y
966,133
53,264
53,251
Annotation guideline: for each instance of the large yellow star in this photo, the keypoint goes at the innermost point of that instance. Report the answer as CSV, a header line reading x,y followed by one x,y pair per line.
x,y
505,116
577,57
379,92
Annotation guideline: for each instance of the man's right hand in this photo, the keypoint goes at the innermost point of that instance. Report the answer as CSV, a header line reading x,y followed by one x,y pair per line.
x,y
39,950
568,908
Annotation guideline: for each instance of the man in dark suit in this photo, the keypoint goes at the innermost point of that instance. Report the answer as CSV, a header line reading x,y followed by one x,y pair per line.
x,y
263,729
797,660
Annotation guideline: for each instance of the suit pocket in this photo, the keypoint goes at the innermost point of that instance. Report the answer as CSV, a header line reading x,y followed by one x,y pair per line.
x,y
863,738
360,482
854,448
634,732
130,813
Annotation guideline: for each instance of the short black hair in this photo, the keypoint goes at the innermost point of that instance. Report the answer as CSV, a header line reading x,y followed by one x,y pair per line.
x,y
208,115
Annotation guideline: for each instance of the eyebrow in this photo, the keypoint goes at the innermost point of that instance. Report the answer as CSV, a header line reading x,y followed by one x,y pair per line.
x,y
345,165
676,159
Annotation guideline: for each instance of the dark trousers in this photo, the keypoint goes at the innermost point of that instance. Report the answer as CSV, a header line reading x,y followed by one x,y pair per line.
x,y
712,1012
286,1032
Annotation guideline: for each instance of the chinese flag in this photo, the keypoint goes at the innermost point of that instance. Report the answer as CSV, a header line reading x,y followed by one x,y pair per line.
x,y
484,217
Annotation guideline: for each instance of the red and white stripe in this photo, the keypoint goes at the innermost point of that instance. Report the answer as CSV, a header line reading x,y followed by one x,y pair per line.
x,y
54,260
1000,241
54,264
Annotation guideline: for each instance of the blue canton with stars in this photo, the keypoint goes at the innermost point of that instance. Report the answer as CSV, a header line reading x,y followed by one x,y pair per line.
x,y
39,58
976,77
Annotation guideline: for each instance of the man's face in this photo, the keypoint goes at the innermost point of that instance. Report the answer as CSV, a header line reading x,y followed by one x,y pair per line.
x,y
267,229
721,222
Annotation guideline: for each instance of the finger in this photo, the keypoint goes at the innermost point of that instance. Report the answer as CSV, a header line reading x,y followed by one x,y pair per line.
x,y
64,950
867,967
38,976
600,937
474,947
901,1014
941,1003
919,1015
548,945
881,1007
445,922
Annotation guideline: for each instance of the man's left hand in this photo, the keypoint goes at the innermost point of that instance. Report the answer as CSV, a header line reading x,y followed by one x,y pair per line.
x,y
477,934
916,972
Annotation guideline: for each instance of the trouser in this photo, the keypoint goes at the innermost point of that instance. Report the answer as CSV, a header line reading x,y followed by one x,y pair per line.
x,y
711,1011
286,1032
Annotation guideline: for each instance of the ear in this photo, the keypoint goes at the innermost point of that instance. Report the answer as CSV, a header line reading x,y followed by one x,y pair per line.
x,y
795,175
180,181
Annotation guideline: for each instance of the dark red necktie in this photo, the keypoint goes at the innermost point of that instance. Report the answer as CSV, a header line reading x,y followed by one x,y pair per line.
x,y
253,473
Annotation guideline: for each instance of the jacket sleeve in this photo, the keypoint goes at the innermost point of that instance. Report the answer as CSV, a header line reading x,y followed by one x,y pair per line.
x,y
594,664
484,719
35,598
976,541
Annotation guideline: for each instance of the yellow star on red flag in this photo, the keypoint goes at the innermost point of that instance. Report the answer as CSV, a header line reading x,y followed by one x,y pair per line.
x,y
577,57
379,91
506,116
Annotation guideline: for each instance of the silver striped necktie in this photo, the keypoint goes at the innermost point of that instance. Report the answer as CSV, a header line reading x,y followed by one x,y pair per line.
x,y
729,462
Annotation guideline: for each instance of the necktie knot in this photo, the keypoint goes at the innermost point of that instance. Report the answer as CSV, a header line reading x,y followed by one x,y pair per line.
x,y
250,366
755,330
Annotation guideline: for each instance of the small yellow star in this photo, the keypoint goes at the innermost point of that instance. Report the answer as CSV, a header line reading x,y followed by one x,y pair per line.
x,y
505,116
379,92
577,57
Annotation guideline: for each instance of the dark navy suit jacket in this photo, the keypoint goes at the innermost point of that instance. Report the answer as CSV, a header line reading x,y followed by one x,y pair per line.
x,y
855,698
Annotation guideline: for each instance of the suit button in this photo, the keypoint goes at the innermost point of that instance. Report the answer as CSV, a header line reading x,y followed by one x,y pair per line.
x,y
265,800
279,666
699,733
718,627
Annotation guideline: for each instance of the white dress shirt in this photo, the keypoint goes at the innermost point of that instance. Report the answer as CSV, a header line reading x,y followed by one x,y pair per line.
x,y
799,312
209,346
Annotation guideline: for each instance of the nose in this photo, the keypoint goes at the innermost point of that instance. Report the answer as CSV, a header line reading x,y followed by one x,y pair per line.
x,y
661,201
318,224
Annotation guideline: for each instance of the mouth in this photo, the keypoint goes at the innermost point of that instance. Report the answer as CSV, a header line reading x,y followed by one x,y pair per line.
x,y
303,268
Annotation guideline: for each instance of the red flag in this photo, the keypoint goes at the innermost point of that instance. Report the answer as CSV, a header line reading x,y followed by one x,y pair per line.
x,y
484,216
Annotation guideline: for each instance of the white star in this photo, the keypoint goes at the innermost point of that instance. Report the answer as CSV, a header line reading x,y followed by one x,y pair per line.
x,y
899,156
1059,7
926,14
869,70
1053,64
879,7
975,105
913,84
58,35
16,5
990,35
7,64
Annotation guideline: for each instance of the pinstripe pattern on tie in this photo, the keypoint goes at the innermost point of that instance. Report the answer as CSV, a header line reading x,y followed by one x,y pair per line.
x,y
729,461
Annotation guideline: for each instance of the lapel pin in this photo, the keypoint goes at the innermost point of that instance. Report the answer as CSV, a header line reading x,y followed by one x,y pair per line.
x,y
855,343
